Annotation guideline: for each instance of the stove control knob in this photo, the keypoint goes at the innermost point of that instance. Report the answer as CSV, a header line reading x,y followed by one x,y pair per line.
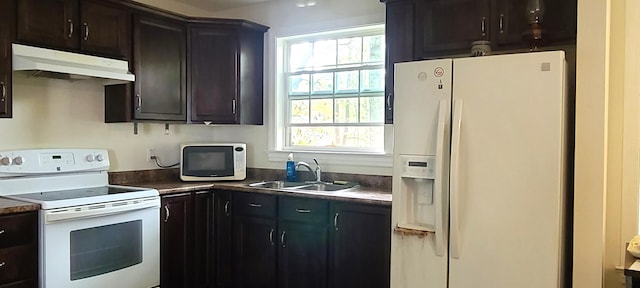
x,y
5,161
90,158
18,160
99,158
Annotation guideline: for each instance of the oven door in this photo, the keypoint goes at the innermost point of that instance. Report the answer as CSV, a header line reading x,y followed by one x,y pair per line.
x,y
102,245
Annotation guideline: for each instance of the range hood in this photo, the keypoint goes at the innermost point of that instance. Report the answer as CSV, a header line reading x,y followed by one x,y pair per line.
x,y
66,65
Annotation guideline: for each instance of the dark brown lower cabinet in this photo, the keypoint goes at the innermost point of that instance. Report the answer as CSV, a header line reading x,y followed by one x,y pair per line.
x,y
254,252
360,251
187,240
19,250
223,224
303,255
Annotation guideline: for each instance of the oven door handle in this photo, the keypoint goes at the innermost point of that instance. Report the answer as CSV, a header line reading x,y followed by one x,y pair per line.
x,y
100,209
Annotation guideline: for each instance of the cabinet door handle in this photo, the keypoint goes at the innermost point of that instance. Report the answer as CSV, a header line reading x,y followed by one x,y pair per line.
x,y
335,221
4,91
139,106
255,205
282,238
70,28
483,26
167,214
233,104
86,31
2,264
389,102
226,208
501,23
2,231
303,210
271,236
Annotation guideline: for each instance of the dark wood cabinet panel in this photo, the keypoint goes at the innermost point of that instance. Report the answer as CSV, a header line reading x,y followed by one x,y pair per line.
x,y
255,240
19,250
49,23
105,29
213,62
225,65
561,21
399,45
175,241
510,20
160,68
450,26
7,25
303,260
203,237
360,246
224,239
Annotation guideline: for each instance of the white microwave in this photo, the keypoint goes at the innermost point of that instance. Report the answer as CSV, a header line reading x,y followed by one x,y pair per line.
x,y
213,162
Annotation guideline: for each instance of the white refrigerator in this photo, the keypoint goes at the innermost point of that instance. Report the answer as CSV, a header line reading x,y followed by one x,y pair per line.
x,y
479,172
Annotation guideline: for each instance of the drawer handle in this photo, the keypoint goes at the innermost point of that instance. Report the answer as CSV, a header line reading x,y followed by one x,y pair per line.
x,y
255,205
226,208
303,211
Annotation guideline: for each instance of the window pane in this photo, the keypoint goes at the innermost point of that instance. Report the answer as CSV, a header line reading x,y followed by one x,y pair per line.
x,y
350,50
300,57
347,82
299,84
358,137
321,110
372,80
324,53
346,110
372,109
373,48
299,111
322,83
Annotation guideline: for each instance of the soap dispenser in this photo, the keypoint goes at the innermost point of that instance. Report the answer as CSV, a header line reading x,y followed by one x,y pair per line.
x,y
291,169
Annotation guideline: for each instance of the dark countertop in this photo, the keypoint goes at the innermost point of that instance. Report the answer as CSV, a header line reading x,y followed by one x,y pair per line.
x,y
10,206
359,194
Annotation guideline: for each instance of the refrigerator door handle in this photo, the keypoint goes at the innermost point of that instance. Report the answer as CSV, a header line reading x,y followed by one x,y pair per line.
x,y
455,178
440,236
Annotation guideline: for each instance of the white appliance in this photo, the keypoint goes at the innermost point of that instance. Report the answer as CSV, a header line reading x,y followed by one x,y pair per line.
x,y
213,162
479,172
92,234
67,65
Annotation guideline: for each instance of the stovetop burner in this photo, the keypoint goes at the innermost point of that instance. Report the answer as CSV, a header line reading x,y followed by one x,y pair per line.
x,y
77,193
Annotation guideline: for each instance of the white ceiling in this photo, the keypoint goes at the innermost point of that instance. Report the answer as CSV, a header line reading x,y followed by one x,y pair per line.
x,y
214,5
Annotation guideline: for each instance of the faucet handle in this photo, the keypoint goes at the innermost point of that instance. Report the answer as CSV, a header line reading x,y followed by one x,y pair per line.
x,y
315,160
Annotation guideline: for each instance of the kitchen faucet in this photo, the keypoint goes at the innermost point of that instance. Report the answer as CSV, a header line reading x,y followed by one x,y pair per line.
x,y
317,172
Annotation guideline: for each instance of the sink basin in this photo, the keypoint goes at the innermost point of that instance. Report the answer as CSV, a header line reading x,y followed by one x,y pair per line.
x,y
292,186
277,184
325,187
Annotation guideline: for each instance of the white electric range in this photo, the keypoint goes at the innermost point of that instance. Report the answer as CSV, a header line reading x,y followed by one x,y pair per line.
x,y
92,234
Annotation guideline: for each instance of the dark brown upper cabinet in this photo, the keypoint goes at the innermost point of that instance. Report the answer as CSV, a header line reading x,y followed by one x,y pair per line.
x,y
94,27
160,66
6,36
225,83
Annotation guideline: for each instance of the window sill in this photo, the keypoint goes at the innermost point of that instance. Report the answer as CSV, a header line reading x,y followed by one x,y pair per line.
x,y
335,158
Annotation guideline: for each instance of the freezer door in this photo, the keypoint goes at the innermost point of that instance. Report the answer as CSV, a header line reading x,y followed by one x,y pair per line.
x,y
507,171
420,195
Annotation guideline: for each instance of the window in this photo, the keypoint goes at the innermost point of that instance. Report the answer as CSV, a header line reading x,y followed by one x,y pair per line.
x,y
333,90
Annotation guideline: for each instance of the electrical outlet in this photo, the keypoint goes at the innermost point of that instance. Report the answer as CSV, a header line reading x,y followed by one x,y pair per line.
x,y
151,155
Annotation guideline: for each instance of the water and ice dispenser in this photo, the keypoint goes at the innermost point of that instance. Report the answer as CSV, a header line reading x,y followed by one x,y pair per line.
x,y
417,190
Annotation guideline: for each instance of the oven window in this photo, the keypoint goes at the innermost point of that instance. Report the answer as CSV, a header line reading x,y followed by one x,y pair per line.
x,y
104,249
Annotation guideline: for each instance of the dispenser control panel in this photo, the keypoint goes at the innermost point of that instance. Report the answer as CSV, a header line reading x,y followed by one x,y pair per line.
x,y
418,166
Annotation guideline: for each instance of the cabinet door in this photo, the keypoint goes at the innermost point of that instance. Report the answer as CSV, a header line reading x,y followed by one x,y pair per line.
x,y
6,36
224,238
160,67
203,234
255,240
399,45
446,27
303,255
213,82
105,29
175,241
361,246
560,21
50,23
510,22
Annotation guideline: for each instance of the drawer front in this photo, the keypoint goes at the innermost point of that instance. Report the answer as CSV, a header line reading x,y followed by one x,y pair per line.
x,y
254,204
304,209
18,263
18,229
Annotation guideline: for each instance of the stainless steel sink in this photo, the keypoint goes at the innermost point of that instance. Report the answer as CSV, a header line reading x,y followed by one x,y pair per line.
x,y
305,186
